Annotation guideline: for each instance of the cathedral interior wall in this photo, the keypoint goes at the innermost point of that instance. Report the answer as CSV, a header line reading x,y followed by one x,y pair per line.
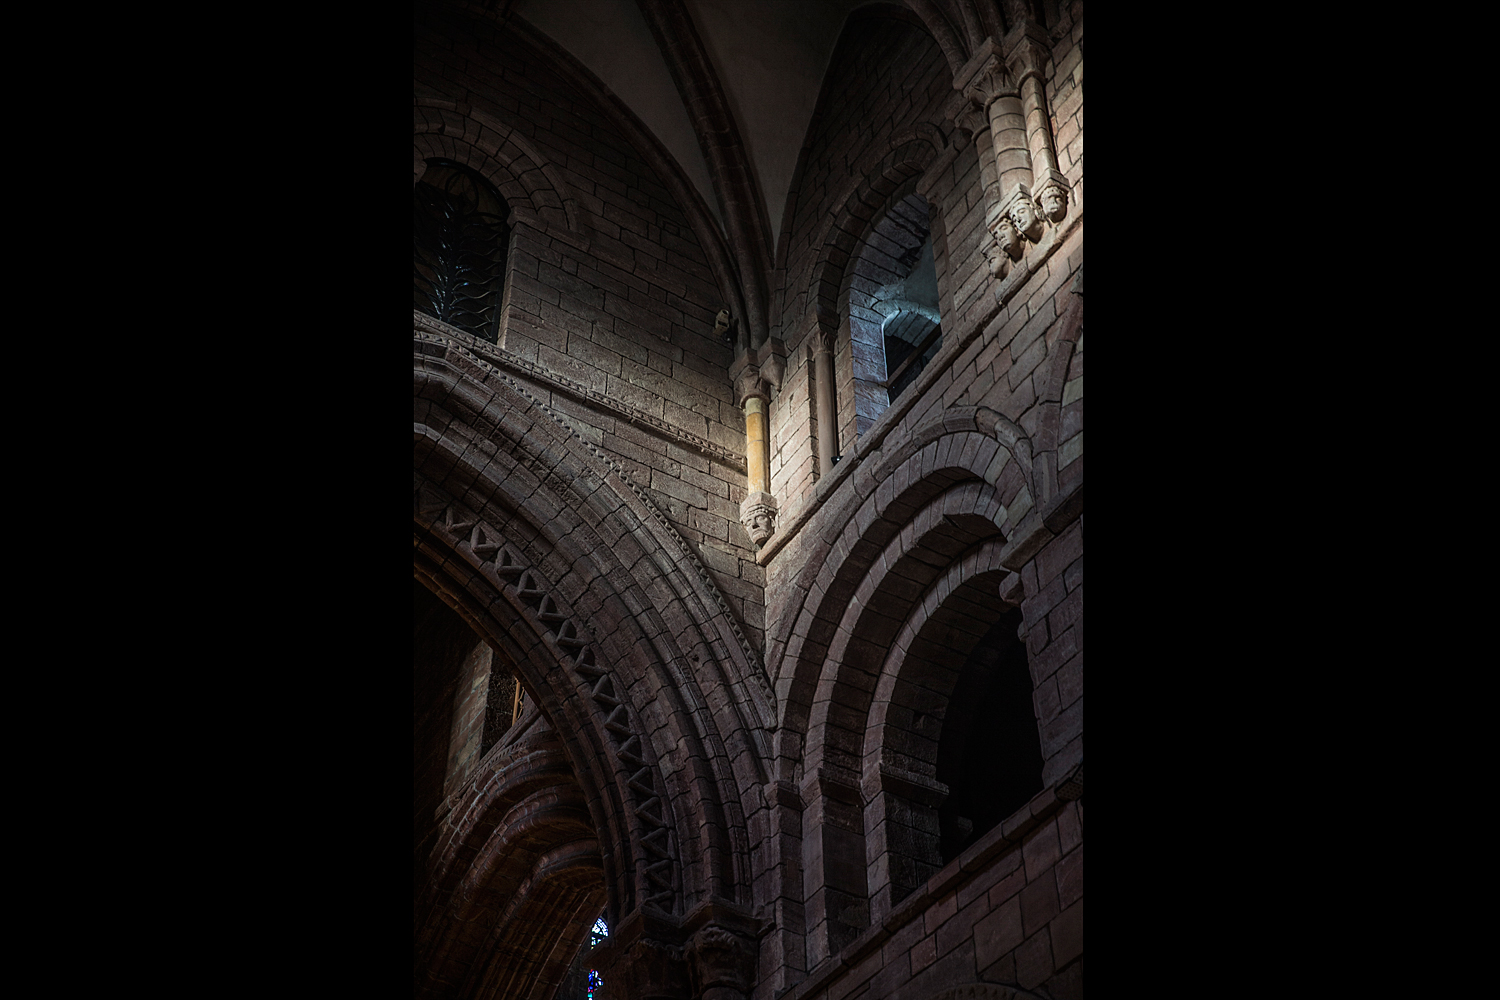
x,y
816,835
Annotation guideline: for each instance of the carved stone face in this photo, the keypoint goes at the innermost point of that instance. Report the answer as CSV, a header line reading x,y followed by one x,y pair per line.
x,y
1054,202
760,523
996,260
1007,239
1023,216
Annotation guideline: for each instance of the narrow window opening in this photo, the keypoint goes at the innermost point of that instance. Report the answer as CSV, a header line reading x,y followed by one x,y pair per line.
x,y
504,706
459,242
583,981
894,321
989,754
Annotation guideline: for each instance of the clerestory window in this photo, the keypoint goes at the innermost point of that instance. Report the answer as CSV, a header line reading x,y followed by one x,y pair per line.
x,y
459,242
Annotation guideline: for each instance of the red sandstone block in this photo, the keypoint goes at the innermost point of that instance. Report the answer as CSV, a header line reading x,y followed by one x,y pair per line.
x,y
1061,552
1062,730
1012,882
1070,878
1073,575
1069,828
1067,934
1069,612
1045,699
1058,651
1039,902
1041,851
1070,681
1038,604
922,954
998,933
1034,961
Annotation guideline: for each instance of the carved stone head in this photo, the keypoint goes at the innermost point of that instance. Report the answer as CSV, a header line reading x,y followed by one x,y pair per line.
x,y
1023,216
1006,237
760,522
1054,200
995,259
758,515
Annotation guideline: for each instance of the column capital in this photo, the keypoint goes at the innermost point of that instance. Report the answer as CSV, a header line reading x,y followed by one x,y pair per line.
x,y
750,384
771,358
990,82
1027,49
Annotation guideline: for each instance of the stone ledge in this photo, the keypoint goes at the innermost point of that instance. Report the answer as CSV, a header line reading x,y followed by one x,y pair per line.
x,y
980,856
560,383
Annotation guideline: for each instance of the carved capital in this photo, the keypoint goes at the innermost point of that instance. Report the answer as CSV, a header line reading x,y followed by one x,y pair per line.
x,y
991,82
971,118
772,357
758,515
721,959
750,384
1028,55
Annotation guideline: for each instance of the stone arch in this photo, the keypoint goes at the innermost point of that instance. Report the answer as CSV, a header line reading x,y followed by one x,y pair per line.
x,y
907,720
1059,458
530,184
964,443
663,767
867,191
950,486
506,920
877,187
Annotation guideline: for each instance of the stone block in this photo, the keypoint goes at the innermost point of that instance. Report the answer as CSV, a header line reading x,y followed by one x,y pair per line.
x,y
998,933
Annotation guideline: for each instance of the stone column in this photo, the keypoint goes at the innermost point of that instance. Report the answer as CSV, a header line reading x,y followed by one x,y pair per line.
x,y
1027,55
828,431
754,373
994,99
993,89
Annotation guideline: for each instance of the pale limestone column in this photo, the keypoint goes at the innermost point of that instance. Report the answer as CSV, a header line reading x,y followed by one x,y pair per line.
x,y
756,464
758,511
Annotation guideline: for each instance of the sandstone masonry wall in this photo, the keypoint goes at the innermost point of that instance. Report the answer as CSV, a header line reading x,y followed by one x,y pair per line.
x,y
624,312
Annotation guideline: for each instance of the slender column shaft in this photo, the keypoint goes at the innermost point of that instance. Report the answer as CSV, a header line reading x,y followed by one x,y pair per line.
x,y
828,431
1038,129
1008,133
757,466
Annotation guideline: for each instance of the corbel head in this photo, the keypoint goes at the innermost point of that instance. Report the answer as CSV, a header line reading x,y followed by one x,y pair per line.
x,y
1054,201
758,515
1006,236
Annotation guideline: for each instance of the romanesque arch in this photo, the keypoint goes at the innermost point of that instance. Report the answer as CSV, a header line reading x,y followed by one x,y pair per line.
x,y
659,705
952,485
528,182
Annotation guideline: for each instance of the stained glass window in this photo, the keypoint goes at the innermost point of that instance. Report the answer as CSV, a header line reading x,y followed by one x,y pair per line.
x,y
597,933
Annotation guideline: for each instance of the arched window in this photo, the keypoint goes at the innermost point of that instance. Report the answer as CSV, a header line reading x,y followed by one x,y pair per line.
x,y
459,239
989,755
894,323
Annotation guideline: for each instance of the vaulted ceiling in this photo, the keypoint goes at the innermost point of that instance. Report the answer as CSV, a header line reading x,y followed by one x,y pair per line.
x,y
769,57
